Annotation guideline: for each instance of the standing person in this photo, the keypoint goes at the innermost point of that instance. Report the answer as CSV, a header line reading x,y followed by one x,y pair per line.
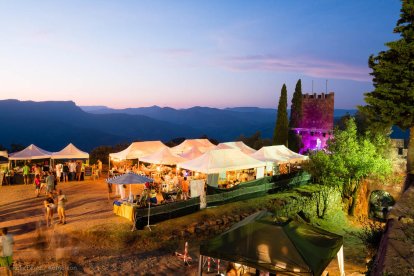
x,y
65,171
185,187
50,183
72,170
6,243
37,185
61,207
99,168
78,171
26,171
49,204
58,168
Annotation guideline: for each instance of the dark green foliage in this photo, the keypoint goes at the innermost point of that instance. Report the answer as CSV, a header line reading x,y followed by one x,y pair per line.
x,y
294,140
102,152
16,147
255,141
296,107
349,159
392,101
280,135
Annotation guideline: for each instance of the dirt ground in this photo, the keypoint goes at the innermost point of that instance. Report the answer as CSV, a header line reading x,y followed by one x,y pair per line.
x,y
41,250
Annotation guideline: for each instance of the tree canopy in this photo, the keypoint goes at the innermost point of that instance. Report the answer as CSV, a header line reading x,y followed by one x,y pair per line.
x,y
294,140
280,135
347,159
392,101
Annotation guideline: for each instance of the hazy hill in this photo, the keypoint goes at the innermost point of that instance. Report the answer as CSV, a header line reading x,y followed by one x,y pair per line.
x,y
52,125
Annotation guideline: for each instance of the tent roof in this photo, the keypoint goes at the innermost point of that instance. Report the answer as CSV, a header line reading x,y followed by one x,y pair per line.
x,y
260,242
192,153
216,161
31,152
164,156
202,145
239,145
129,178
138,149
278,154
70,152
4,154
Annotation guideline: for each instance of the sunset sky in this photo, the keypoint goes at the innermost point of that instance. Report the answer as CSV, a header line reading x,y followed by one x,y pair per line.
x,y
184,53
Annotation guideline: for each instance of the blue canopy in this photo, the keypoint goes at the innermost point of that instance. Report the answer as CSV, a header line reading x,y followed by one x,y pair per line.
x,y
129,178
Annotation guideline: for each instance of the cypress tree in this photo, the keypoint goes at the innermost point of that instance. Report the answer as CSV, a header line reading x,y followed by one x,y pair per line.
x,y
280,134
294,140
392,101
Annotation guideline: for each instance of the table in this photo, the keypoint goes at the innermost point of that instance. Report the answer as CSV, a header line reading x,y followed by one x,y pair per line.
x,y
125,210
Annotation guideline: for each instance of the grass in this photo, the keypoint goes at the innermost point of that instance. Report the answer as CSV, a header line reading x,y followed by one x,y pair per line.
x,y
164,235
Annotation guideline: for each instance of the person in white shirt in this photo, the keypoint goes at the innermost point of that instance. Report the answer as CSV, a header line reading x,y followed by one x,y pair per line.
x,y
59,168
6,258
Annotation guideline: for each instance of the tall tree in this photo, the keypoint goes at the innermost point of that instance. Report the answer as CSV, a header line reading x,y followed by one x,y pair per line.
x,y
392,101
294,140
280,134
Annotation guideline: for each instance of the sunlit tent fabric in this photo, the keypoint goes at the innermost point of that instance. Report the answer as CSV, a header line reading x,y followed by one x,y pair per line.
x,y
70,152
223,146
164,156
220,160
129,178
202,145
138,149
278,247
30,153
239,145
278,154
192,153
4,154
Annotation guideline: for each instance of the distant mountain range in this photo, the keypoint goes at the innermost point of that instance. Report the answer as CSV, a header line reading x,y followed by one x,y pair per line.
x,y
52,125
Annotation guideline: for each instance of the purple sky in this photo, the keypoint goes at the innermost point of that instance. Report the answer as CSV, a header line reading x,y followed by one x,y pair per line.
x,y
186,53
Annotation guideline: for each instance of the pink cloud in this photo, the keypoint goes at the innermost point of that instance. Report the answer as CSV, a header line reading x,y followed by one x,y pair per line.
x,y
307,66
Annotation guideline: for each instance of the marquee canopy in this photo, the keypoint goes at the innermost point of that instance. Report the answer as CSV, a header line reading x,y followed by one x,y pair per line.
x,y
4,154
29,153
216,161
192,153
70,152
138,149
164,156
239,145
202,145
278,154
289,247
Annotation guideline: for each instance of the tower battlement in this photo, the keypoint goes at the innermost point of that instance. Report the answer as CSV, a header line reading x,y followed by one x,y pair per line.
x,y
317,122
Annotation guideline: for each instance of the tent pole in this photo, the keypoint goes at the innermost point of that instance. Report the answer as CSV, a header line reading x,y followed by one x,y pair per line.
x,y
200,265
340,256
109,165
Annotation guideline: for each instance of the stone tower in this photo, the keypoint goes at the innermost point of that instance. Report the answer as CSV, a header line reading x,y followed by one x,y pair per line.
x,y
317,121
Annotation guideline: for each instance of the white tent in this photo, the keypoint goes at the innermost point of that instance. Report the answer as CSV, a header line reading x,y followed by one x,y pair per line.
x,y
138,149
29,153
278,154
202,145
70,152
222,146
163,157
220,160
4,154
239,145
192,153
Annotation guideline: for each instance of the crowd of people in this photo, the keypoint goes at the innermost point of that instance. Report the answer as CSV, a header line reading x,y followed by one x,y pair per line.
x,y
63,171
